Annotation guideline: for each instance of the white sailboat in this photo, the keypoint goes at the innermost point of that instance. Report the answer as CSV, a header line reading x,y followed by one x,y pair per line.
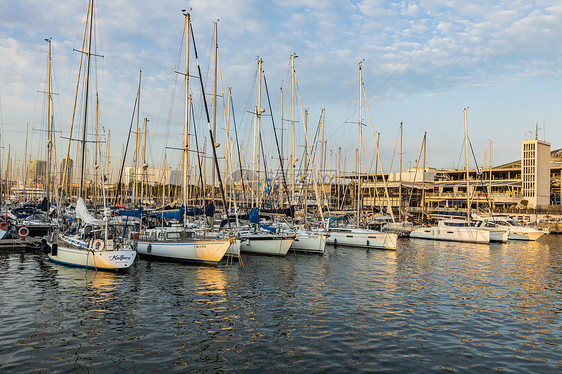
x,y
264,242
309,241
339,230
176,243
341,233
456,230
92,245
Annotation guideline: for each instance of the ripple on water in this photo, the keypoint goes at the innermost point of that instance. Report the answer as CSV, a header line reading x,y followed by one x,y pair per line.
x,y
428,306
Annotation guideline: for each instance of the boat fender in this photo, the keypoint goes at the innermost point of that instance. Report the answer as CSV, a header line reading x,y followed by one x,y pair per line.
x,y
98,245
54,249
44,247
367,243
335,241
4,226
149,248
23,232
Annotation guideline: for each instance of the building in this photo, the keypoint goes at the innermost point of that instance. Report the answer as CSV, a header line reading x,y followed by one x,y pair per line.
x,y
535,173
36,172
532,182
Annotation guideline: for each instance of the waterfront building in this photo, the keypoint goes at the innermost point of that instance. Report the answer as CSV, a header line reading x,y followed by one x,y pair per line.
x,y
36,172
535,172
532,182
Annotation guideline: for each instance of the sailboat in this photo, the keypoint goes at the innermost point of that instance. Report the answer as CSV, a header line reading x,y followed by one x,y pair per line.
x,y
455,229
339,230
176,242
91,243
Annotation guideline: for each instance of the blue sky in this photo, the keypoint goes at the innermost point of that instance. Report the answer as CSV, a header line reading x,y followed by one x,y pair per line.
x,y
423,62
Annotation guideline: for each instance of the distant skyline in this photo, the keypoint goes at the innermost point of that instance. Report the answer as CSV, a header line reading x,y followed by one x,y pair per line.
x,y
423,62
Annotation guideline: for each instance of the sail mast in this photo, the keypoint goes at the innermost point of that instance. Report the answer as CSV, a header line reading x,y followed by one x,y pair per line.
x,y
137,144
86,91
400,179
259,111
293,159
359,149
214,110
466,161
185,174
49,125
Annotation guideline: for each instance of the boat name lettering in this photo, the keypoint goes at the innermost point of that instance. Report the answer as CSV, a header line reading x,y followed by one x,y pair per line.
x,y
119,257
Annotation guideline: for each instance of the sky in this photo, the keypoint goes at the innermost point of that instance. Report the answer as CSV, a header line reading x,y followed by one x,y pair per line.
x,y
423,62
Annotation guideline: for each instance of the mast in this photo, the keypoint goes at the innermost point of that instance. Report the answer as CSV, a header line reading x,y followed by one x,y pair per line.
x,y
86,91
322,155
214,110
359,148
423,172
97,152
228,166
466,161
211,134
49,126
137,145
490,179
293,160
185,174
282,119
144,164
400,179
259,111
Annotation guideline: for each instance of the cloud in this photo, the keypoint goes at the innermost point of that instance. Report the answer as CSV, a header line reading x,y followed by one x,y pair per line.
x,y
425,47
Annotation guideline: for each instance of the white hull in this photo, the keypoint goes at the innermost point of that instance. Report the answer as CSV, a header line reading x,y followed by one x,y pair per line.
x,y
81,255
265,244
525,235
196,251
514,230
363,238
454,234
499,236
309,242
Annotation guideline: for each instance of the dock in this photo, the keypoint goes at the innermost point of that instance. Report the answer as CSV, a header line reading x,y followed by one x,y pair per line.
x,y
29,243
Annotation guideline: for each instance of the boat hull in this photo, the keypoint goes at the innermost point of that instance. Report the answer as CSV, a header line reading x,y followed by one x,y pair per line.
x,y
98,260
193,251
265,244
306,242
499,236
451,234
525,235
378,240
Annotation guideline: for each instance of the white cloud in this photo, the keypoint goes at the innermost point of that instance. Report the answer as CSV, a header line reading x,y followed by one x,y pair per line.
x,y
416,47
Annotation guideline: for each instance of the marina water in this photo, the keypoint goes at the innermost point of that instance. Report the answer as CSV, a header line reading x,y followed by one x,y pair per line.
x,y
429,306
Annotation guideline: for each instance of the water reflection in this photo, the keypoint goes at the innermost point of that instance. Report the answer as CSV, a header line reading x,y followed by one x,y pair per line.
x,y
428,306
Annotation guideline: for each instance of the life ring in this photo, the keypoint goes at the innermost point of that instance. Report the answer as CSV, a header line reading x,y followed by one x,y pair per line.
x,y
98,245
4,226
23,231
